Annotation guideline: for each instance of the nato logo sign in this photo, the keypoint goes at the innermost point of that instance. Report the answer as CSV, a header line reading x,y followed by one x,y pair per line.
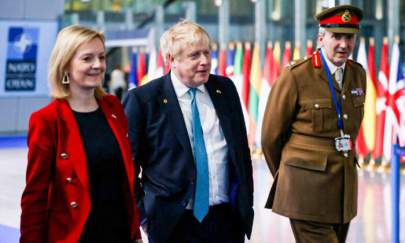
x,y
21,62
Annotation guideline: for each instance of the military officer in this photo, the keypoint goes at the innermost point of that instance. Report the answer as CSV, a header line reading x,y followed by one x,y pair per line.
x,y
312,118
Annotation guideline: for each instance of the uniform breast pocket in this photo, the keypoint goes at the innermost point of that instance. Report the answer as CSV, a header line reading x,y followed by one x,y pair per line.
x,y
323,116
358,103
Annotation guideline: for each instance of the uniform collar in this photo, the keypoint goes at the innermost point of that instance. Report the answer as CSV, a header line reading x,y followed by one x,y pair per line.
x,y
332,67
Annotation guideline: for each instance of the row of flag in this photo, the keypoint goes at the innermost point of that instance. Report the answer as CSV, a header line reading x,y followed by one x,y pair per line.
x,y
384,110
145,66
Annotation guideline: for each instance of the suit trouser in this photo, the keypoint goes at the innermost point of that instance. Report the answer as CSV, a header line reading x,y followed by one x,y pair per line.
x,y
221,225
314,232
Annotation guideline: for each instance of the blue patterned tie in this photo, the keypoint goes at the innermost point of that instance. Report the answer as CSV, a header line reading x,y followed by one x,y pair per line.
x,y
201,197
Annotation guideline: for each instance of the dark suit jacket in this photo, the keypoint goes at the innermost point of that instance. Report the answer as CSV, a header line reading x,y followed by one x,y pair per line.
x,y
56,200
162,150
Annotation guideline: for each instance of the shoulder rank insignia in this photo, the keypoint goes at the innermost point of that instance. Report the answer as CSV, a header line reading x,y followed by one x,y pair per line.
x,y
316,59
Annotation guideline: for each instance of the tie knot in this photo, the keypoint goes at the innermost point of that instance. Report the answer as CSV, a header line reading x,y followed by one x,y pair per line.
x,y
339,74
192,92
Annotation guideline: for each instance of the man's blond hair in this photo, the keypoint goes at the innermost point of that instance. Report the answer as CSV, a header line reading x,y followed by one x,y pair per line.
x,y
180,36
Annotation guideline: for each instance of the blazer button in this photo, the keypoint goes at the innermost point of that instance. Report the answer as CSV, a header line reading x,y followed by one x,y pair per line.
x,y
73,204
69,179
64,155
316,106
345,116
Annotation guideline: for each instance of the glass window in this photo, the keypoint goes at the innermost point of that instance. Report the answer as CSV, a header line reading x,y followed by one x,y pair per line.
x,y
241,8
275,10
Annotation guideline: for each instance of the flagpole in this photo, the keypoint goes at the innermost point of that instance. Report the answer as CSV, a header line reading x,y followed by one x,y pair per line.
x,y
224,22
393,22
397,151
299,25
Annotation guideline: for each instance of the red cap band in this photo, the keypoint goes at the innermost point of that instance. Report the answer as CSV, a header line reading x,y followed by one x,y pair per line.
x,y
339,20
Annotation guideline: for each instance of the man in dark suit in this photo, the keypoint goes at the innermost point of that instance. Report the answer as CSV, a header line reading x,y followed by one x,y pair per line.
x,y
189,143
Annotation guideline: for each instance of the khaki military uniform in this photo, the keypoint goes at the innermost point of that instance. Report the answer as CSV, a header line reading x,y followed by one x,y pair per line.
x,y
312,181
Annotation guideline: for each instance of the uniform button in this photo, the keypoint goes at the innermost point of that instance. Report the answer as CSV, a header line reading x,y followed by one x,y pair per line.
x,y
316,106
344,97
73,204
69,179
64,155
345,116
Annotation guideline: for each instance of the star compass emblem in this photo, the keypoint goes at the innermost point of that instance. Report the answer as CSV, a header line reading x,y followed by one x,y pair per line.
x,y
346,17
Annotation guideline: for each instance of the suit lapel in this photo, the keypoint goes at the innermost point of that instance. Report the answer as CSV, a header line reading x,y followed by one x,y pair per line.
x,y
171,108
112,119
322,74
72,143
218,97
347,76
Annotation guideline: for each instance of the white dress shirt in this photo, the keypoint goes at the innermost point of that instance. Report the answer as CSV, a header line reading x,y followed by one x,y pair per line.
x,y
216,146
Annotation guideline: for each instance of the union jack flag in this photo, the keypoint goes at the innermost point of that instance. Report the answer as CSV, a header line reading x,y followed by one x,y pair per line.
x,y
395,104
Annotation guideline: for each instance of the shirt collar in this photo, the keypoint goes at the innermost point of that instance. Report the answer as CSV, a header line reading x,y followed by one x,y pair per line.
x,y
180,88
332,67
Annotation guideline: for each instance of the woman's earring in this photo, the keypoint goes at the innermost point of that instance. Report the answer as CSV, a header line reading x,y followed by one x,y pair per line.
x,y
65,79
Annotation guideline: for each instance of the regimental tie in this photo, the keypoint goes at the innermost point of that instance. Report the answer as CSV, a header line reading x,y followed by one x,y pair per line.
x,y
339,76
201,196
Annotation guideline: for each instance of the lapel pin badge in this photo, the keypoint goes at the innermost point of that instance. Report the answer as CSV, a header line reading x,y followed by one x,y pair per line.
x,y
218,91
165,101
113,116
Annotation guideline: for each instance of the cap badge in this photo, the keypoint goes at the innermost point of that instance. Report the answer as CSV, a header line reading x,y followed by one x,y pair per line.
x,y
346,17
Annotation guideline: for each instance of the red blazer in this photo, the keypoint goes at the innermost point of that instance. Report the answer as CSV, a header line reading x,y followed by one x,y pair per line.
x,y
56,200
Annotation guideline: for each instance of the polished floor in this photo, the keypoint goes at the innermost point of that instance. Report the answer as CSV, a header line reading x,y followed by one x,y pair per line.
x,y
372,225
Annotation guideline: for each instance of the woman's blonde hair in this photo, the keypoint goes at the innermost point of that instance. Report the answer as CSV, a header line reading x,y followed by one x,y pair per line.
x,y
68,41
180,36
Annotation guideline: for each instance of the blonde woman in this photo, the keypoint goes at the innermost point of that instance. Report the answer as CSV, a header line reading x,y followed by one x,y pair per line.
x,y
79,182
